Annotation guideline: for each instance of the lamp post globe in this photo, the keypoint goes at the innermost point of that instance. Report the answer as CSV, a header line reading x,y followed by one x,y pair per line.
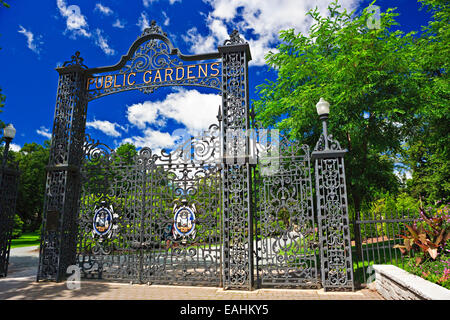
x,y
9,132
323,108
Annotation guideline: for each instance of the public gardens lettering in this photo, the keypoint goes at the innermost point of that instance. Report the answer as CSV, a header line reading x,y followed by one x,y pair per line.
x,y
156,76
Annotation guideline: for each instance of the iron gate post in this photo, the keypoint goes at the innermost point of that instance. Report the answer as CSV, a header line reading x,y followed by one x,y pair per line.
x,y
59,223
9,182
237,199
332,212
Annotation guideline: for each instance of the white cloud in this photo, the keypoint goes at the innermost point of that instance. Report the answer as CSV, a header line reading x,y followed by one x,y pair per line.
x,y
106,127
33,44
102,42
118,24
103,9
195,110
43,131
155,140
143,22
261,20
76,23
15,147
199,43
140,114
167,19
147,3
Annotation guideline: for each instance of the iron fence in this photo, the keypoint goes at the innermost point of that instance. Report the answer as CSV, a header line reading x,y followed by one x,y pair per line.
x,y
9,178
375,236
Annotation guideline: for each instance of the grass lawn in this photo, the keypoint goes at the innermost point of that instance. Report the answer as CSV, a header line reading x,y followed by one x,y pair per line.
x,y
26,240
375,253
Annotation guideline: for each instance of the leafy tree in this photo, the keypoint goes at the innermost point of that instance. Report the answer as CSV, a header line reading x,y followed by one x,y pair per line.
x,y
126,153
32,159
427,150
364,74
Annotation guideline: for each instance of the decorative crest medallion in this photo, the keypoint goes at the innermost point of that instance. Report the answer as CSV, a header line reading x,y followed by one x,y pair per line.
x,y
184,222
104,221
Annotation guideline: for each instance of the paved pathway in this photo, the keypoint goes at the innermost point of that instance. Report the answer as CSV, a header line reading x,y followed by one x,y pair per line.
x,y
20,284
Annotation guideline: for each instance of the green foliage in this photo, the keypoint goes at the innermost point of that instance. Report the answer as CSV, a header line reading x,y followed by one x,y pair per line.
x,y
389,205
388,91
126,153
26,240
427,238
32,159
385,206
359,71
101,175
4,4
17,227
427,151
119,181
436,271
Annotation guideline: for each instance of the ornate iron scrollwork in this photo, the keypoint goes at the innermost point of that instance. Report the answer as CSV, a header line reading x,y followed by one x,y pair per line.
x,y
286,234
333,144
332,212
153,29
152,52
149,245
135,237
76,60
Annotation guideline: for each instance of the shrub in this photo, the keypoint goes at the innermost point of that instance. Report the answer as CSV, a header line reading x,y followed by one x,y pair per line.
x,y
428,247
17,227
428,237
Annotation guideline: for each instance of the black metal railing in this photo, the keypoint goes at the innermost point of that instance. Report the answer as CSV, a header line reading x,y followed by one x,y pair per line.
x,y
9,181
376,234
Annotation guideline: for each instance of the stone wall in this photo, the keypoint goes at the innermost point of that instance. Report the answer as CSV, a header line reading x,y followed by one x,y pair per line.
x,y
394,283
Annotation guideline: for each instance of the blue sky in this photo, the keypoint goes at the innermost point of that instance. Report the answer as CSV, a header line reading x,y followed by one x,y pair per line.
x,y
37,36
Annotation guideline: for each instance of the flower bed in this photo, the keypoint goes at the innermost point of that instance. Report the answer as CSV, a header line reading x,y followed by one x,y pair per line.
x,y
427,245
436,271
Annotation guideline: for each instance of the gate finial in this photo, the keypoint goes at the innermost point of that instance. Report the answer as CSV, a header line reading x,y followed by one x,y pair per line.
x,y
219,114
76,60
235,38
153,29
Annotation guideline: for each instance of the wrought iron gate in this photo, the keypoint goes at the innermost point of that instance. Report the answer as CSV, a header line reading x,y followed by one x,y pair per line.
x,y
140,238
287,239
205,214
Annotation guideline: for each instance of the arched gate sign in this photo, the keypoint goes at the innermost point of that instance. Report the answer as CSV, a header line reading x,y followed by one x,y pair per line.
x,y
207,213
